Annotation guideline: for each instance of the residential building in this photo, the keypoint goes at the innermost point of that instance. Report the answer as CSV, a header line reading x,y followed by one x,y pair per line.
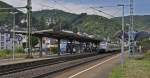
x,y
6,38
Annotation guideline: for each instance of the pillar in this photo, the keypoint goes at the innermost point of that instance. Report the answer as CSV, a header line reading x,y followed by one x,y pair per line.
x,y
87,46
92,47
80,46
40,45
59,47
71,47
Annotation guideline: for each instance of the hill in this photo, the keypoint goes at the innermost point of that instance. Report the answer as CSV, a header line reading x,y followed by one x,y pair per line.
x,y
91,24
5,15
141,22
58,19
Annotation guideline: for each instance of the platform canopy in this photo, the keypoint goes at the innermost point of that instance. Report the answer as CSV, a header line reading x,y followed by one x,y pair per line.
x,y
60,35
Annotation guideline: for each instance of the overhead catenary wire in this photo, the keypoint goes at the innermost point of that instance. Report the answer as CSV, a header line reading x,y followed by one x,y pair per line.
x,y
12,8
47,6
62,5
102,12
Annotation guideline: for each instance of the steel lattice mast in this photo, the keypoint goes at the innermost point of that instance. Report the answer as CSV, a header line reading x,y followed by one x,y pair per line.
x,y
131,29
29,8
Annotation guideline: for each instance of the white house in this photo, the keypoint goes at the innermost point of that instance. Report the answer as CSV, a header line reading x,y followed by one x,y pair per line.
x,y
6,39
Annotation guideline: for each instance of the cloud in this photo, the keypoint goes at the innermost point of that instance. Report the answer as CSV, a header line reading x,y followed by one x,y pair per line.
x,y
66,6
16,3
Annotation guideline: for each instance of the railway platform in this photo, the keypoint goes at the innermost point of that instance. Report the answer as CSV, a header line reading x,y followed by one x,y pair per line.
x,y
30,70
24,60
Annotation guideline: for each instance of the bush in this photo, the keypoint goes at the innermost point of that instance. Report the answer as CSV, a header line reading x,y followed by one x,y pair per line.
x,y
2,54
5,53
54,50
147,55
19,50
145,44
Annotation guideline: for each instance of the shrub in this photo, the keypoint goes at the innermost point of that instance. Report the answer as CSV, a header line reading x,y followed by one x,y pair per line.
x,y
5,53
147,55
54,50
19,50
145,44
2,54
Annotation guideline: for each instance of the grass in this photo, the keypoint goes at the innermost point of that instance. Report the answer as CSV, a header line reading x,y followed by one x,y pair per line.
x,y
5,55
117,73
133,68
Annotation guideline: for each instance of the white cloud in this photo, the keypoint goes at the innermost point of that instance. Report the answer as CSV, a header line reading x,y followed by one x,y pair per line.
x,y
17,3
68,7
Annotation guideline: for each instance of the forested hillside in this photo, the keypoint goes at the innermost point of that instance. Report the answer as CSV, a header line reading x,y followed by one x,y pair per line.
x,y
141,22
58,19
91,24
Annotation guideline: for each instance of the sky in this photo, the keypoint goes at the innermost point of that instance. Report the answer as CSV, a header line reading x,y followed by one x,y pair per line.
x,y
141,7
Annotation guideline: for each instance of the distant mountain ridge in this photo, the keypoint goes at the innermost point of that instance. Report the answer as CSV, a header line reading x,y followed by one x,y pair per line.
x,y
6,17
57,19
141,22
91,24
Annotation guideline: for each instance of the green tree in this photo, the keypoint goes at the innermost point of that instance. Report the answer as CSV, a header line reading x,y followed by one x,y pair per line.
x,y
42,23
34,41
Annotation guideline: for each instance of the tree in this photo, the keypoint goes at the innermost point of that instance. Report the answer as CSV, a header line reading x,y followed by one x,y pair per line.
x,y
34,41
42,23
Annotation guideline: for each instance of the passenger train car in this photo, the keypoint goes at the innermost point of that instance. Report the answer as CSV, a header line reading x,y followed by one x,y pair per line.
x,y
108,47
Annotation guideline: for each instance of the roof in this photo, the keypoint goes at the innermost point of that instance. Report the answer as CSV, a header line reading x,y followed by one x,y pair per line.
x,y
60,35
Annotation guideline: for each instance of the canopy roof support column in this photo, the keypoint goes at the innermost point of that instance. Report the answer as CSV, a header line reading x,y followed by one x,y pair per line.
x,y
59,47
71,46
40,45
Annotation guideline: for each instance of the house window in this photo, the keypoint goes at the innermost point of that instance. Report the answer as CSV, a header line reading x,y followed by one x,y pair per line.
x,y
2,44
7,35
2,38
2,47
2,33
15,42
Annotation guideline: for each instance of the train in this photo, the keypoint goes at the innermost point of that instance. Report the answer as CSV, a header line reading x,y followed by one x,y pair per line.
x,y
105,47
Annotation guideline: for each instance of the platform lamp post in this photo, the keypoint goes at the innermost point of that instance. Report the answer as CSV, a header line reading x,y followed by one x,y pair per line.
x,y
13,29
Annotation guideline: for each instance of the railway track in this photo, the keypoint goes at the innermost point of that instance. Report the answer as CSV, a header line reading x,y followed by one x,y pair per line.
x,y
15,68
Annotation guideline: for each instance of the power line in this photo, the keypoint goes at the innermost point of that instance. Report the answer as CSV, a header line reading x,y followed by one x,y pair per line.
x,y
46,6
12,8
115,13
103,12
62,5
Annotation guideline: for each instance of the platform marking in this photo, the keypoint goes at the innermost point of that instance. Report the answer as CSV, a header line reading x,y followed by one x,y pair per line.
x,y
93,66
